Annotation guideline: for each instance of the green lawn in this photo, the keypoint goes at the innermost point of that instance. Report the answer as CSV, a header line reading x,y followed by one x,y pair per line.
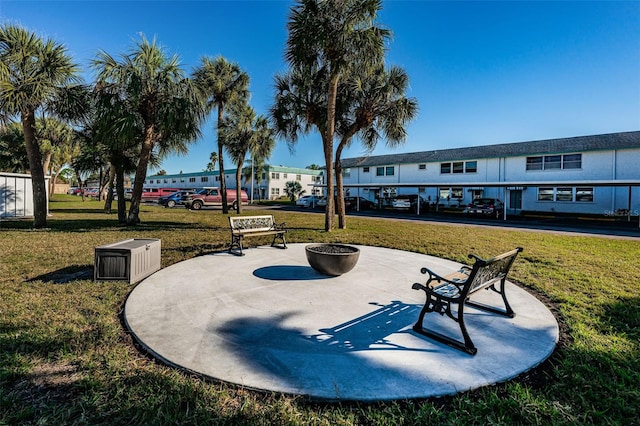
x,y
66,358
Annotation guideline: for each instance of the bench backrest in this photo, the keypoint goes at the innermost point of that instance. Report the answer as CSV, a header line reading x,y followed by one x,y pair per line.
x,y
251,223
487,272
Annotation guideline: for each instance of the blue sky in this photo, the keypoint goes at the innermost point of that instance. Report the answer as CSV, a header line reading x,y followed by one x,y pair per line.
x,y
482,72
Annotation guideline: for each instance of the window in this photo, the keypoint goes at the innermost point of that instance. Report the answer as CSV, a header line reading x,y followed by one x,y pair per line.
x,y
365,170
192,180
545,194
572,161
444,193
456,193
298,177
390,170
534,163
555,162
564,194
275,175
157,180
458,167
284,176
422,167
181,180
166,180
552,162
379,171
173,180
204,179
217,178
445,168
584,195
471,167
275,191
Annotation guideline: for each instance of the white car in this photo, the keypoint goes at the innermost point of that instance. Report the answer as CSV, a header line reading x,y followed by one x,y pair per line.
x,y
307,201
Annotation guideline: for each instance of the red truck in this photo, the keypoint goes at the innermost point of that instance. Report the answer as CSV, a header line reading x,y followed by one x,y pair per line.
x,y
151,195
211,196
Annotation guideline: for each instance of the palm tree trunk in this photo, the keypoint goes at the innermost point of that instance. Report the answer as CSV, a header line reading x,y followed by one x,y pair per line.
x,y
223,182
327,141
45,162
342,215
122,203
52,184
141,175
39,186
80,184
238,189
109,198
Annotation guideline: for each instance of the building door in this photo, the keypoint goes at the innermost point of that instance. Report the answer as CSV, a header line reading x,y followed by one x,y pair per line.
x,y
515,201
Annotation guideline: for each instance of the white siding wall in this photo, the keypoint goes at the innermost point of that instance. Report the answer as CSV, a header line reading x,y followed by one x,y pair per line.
x,y
596,165
16,195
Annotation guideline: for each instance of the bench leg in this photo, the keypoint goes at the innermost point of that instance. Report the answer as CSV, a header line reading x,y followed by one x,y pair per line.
x,y
444,307
236,243
508,312
281,237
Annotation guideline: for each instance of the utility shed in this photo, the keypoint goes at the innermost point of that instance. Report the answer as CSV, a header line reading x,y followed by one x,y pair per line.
x,y
16,195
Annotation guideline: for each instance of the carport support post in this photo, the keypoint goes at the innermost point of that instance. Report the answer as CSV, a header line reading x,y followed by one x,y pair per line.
x,y
504,205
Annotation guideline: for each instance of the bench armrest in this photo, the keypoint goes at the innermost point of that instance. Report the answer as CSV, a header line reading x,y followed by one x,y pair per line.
x,y
279,226
438,279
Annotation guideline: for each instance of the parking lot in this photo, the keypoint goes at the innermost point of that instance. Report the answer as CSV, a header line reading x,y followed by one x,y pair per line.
x,y
604,226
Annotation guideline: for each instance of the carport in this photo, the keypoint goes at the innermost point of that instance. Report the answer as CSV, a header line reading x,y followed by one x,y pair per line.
x,y
506,188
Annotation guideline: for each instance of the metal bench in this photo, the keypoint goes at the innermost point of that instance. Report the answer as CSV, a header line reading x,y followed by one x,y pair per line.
x,y
455,289
247,226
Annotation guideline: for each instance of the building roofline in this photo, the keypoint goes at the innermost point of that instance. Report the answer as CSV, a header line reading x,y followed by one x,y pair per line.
x,y
608,141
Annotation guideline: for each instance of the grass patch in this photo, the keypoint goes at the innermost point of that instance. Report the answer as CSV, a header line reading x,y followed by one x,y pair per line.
x,y
66,358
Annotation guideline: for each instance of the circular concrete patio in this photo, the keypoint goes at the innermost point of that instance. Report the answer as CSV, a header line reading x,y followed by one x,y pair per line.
x,y
268,321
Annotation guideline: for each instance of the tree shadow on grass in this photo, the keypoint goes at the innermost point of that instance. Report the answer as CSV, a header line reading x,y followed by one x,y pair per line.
x,y
622,317
92,225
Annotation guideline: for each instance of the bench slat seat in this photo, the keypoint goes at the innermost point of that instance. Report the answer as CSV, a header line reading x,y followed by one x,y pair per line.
x,y
243,226
449,294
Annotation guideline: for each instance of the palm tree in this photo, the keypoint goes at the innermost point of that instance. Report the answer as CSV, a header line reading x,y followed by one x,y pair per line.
x,y
34,74
371,106
213,159
158,107
326,37
245,132
220,83
13,154
293,189
55,139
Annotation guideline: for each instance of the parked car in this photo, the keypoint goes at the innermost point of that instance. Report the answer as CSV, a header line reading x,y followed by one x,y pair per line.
x,y
307,201
128,193
490,207
409,202
212,196
91,192
151,195
175,198
322,202
352,203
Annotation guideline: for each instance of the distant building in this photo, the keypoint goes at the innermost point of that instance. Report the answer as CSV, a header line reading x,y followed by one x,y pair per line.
x,y
597,174
270,185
